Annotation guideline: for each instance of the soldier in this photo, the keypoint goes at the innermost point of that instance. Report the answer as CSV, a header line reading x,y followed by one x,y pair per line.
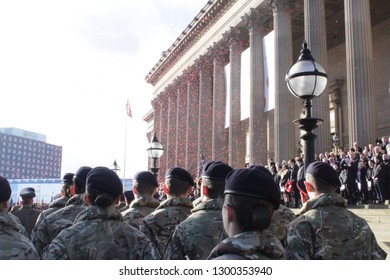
x,y
144,186
13,244
27,214
129,197
67,182
53,224
251,197
160,224
99,231
197,235
325,228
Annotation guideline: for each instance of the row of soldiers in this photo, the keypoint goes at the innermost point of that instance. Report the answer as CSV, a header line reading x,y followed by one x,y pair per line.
x,y
238,216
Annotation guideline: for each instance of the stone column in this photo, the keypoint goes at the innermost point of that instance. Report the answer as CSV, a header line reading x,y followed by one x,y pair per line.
x,y
257,117
219,145
181,129
334,89
362,124
233,37
192,154
156,104
163,135
284,101
171,146
205,106
315,35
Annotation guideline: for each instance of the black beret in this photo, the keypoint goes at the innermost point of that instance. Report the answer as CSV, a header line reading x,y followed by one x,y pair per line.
x,y
216,170
27,193
68,179
324,173
81,175
181,174
5,189
104,180
254,182
146,177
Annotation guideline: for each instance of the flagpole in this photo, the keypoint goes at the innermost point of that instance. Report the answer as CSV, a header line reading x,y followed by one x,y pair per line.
x,y
124,160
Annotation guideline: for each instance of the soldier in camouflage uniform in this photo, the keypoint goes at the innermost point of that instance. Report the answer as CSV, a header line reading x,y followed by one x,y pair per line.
x,y
197,235
27,214
251,197
99,231
282,218
325,228
144,186
160,224
54,223
13,244
67,182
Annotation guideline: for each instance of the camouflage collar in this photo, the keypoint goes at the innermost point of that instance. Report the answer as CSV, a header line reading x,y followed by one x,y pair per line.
x,y
324,199
210,204
250,245
77,199
148,201
99,213
9,220
175,201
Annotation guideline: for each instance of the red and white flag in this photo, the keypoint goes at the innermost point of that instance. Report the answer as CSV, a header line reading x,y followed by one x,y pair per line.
x,y
128,109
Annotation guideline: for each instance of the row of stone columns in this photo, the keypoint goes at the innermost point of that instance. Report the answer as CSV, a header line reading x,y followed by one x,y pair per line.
x,y
190,114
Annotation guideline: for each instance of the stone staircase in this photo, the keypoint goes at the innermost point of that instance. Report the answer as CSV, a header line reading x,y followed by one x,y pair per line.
x,y
378,218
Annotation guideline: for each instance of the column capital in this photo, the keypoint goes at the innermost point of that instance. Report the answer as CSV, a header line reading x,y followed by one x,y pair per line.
x,y
256,20
191,73
204,62
281,5
235,36
218,51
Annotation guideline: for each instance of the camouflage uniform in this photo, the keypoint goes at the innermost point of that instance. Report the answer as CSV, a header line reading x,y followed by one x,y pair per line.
x,y
139,209
282,217
159,225
54,206
13,244
252,245
27,216
53,224
327,230
197,235
100,233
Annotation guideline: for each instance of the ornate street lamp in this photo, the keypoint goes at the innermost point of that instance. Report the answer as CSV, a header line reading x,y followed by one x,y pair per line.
x,y
307,79
336,140
115,167
155,151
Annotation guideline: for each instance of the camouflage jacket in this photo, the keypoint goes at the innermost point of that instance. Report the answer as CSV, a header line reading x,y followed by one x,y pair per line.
x,y
27,216
159,225
327,230
252,245
14,245
139,209
100,233
54,223
197,235
54,206
282,217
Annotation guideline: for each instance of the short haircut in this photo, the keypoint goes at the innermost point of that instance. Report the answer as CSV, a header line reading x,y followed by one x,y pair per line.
x,y
144,188
252,214
176,187
215,188
319,185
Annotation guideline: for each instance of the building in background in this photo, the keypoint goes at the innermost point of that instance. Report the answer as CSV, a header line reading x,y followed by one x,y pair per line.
x,y
26,155
202,81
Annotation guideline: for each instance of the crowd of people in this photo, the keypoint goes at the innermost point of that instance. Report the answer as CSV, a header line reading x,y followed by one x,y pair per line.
x,y
224,214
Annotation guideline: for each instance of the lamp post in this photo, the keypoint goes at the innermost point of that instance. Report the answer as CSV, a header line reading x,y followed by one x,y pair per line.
x,y
306,79
336,144
115,167
155,151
